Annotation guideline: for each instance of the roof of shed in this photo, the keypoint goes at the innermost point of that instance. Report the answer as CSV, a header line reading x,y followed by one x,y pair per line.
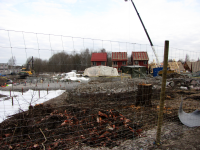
x,y
140,56
99,57
119,56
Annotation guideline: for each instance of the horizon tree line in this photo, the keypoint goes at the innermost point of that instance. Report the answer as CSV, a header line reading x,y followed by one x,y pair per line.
x,y
65,62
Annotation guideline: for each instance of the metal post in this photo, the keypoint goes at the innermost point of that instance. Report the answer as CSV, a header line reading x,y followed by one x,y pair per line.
x,y
162,94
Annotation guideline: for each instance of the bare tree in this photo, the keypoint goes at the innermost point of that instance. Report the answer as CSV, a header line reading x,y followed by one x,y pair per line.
x,y
170,60
85,59
181,60
109,58
60,62
12,61
38,65
103,50
187,58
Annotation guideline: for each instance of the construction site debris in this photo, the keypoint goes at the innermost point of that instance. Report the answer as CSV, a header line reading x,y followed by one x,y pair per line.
x,y
189,119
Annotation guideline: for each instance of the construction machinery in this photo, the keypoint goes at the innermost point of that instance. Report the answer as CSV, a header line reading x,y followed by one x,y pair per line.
x,y
158,63
28,71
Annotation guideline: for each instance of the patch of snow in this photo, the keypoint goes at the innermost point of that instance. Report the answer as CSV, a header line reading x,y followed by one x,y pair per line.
x,y
22,102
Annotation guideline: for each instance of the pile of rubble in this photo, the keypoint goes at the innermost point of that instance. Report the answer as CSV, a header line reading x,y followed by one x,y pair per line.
x,y
116,85
184,83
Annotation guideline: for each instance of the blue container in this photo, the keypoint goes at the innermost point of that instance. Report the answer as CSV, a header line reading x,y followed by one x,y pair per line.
x,y
156,70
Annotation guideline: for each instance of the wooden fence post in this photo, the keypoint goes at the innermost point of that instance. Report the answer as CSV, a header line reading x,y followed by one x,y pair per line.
x,y
12,101
162,94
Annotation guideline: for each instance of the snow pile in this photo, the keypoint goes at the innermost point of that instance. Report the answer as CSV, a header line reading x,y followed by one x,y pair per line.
x,y
101,71
69,74
72,76
22,102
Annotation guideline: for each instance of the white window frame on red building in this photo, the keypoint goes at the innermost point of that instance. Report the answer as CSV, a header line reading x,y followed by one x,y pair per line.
x,y
123,62
114,62
103,63
145,62
94,63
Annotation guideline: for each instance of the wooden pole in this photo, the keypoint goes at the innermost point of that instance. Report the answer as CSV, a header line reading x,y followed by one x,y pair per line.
x,y
12,101
162,94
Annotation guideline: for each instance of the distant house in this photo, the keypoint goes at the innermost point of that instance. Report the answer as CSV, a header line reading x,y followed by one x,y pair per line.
x,y
119,59
98,59
140,58
192,66
3,68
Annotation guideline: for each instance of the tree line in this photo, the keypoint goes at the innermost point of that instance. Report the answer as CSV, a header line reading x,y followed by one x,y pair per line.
x,y
65,62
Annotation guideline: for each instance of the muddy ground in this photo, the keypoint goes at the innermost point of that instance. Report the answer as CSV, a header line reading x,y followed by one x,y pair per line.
x,y
102,114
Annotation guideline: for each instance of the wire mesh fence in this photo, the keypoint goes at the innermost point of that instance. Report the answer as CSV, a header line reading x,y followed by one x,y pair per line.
x,y
53,110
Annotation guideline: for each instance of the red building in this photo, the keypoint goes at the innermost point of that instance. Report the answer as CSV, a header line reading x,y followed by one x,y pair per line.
x,y
98,59
119,59
140,58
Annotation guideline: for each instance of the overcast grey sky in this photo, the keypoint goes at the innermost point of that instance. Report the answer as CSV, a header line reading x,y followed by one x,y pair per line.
x,y
175,20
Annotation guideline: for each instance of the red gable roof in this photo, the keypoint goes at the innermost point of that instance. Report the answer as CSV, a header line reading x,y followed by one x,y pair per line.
x,y
99,57
140,56
119,56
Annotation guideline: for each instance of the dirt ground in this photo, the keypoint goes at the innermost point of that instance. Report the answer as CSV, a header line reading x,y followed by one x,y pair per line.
x,y
102,114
